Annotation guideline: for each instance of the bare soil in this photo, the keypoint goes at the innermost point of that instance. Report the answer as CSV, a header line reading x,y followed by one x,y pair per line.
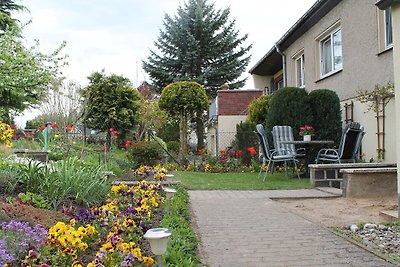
x,y
341,211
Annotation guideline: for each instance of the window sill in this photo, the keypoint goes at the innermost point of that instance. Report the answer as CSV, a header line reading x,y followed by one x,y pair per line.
x,y
386,49
329,75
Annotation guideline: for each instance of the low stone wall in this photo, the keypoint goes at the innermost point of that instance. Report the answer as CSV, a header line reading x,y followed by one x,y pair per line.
x,y
370,182
40,155
330,175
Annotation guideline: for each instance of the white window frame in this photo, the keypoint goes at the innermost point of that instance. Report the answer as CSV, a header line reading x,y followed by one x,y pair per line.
x,y
329,40
388,25
299,65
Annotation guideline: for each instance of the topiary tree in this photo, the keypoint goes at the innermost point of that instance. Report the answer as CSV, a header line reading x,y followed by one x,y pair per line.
x,y
289,106
258,110
325,107
183,99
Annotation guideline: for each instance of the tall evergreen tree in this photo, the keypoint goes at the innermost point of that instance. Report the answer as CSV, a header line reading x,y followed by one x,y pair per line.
x,y
6,8
199,44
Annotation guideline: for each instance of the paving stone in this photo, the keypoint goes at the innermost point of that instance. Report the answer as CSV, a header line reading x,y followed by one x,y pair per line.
x,y
247,229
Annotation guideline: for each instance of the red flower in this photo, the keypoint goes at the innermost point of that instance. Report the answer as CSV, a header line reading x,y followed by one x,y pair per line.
x,y
127,143
233,152
53,125
222,152
42,127
200,151
115,136
69,127
252,151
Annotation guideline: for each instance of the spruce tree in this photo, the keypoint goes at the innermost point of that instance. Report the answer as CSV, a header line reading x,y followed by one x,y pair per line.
x,y
199,44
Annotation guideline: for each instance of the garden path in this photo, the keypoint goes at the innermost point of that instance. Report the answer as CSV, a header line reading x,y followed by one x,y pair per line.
x,y
248,229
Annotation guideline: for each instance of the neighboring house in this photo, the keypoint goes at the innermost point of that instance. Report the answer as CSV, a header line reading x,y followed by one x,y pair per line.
x,y
227,110
345,46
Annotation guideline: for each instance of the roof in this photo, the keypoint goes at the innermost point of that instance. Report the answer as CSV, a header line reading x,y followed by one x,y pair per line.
x,y
383,4
235,102
272,61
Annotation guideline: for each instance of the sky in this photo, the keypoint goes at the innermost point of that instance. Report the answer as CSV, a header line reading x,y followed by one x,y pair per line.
x,y
117,35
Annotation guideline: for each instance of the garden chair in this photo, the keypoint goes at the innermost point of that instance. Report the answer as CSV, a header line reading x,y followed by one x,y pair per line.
x,y
285,133
269,158
349,146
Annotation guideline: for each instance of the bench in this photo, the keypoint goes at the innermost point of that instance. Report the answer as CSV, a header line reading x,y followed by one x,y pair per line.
x,y
370,182
322,175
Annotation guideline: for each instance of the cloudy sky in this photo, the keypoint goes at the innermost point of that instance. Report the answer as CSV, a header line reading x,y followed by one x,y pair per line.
x,y
117,35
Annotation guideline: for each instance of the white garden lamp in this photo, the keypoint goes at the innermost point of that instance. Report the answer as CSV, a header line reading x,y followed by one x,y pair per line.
x,y
170,177
158,238
169,192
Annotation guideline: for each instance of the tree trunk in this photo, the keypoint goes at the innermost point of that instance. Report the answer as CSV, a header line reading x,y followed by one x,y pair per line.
x,y
182,133
199,131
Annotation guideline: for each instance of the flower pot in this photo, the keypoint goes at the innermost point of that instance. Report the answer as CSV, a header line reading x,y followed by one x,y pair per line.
x,y
307,137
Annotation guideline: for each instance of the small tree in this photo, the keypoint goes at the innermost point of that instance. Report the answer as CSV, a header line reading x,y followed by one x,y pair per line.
x,y
289,106
258,110
110,102
183,99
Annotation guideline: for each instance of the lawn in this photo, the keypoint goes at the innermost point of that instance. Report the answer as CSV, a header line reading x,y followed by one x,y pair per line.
x,y
239,181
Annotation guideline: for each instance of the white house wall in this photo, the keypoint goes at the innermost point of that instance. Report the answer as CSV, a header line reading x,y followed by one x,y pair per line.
x,y
228,124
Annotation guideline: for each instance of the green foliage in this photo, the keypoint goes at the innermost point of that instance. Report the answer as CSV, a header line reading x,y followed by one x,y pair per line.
x,y
199,44
325,108
246,138
6,8
183,242
111,102
25,73
183,99
33,199
258,110
146,153
173,146
170,131
289,106
63,181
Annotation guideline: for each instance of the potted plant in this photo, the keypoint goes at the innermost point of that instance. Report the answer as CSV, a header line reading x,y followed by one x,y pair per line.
x,y
306,131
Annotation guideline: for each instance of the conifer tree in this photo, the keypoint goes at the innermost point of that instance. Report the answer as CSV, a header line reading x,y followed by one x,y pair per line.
x,y
199,44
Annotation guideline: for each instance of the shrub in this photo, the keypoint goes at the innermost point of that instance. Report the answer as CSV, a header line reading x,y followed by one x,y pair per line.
x,y
245,139
325,106
146,153
258,110
173,146
289,106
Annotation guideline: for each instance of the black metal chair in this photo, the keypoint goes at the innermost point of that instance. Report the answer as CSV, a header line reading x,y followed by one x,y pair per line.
x,y
271,157
349,146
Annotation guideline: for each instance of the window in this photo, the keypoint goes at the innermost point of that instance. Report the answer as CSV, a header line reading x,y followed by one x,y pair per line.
x,y
300,71
388,27
331,53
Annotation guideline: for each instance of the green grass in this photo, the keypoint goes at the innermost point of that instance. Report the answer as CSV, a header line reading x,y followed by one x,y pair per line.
x,y
239,181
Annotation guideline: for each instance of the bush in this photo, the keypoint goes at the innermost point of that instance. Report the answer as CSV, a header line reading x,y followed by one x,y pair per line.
x,y
325,106
146,153
258,110
173,146
246,138
289,106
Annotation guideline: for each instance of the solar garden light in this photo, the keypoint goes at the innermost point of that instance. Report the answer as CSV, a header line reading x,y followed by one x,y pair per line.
x,y
158,239
169,192
46,135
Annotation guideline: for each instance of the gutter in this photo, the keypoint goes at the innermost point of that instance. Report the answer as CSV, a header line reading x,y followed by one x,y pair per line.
x,y
383,4
283,64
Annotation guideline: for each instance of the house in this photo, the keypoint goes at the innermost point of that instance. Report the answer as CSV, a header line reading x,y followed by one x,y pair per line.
x,y
345,46
227,110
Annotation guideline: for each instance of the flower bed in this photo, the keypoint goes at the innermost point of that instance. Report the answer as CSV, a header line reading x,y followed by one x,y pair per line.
x,y
108,235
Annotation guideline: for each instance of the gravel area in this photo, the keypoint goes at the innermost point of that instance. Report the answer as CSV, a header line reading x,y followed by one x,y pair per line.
x,y
377,237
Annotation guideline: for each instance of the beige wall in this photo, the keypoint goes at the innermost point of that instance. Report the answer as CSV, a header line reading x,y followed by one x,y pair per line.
x,y
363,67
260,82
370,141
227,129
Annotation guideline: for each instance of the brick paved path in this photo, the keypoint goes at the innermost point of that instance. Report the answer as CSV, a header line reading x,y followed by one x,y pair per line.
x,y
247,229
